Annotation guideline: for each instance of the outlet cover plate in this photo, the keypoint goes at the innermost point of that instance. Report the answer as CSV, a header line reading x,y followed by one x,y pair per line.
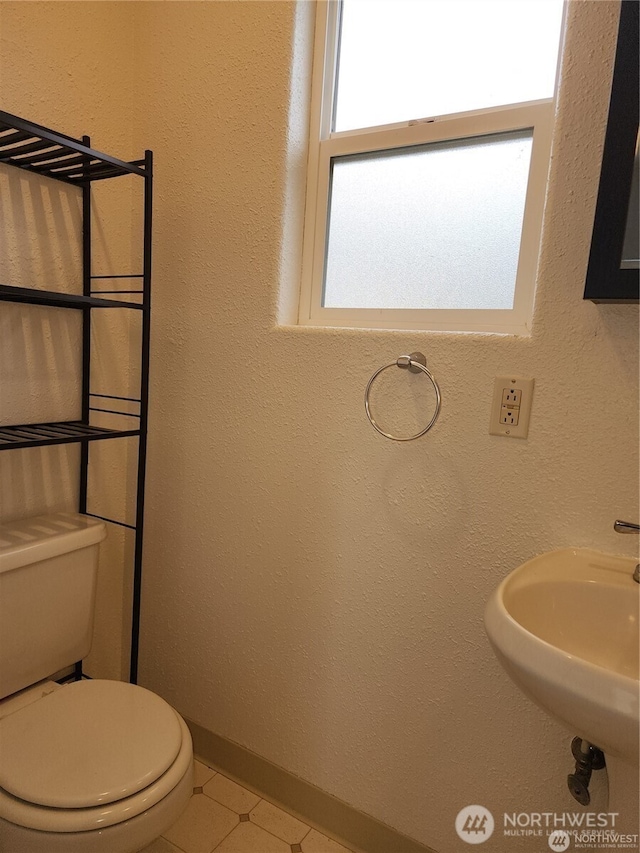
x,y
511,384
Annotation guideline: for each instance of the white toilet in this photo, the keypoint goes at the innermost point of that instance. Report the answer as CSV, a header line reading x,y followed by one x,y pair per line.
x,y
92,766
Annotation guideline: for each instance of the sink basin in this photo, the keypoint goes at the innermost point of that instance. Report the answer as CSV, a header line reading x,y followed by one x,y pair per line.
x,y
564,625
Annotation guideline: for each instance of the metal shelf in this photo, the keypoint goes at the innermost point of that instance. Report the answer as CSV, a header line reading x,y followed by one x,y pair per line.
x,y
37,149
30,296
63,432
45,152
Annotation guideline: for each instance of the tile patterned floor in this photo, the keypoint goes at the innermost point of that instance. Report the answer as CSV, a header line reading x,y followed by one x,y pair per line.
x,y
224,817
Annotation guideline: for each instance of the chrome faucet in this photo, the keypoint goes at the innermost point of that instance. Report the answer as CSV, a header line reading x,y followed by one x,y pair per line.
x,y
628,527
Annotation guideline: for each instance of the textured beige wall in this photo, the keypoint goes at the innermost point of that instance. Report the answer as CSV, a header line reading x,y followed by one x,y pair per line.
x,y
313,591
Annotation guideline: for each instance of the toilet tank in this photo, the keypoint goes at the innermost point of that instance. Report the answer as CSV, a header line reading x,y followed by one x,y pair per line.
x,y
48,573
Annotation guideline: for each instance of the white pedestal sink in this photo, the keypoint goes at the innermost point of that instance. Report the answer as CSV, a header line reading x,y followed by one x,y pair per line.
x,y
564,625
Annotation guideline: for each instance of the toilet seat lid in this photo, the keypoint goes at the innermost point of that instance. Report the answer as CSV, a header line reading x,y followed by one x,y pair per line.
x,y
88,743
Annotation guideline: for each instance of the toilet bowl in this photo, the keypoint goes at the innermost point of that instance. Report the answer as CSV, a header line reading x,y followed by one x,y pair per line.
x,y
92,766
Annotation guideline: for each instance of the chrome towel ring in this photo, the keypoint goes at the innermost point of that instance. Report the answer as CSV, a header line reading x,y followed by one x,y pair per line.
x,y
416,363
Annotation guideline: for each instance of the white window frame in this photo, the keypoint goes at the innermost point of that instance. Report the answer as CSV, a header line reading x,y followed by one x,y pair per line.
x,y
537,116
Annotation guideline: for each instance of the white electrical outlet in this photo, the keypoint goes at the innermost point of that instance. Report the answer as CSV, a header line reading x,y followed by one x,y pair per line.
x,y
511,396
511,406
510,416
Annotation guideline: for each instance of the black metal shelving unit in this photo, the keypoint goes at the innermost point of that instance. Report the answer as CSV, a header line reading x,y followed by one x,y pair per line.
x,y
45,152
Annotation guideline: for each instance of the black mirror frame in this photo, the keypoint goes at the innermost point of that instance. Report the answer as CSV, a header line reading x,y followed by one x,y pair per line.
x,y
606,281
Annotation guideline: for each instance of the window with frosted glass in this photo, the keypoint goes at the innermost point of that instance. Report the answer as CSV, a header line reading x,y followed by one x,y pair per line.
x,y
428,162
437,226
410,59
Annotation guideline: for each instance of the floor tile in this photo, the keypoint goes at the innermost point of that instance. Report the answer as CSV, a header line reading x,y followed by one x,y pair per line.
x,y
201,773
248,838
161,845
202,825
231,795
315,842
278,822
